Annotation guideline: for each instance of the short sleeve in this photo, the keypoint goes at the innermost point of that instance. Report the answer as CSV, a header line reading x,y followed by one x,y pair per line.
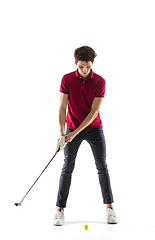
x,y
100,88
64,86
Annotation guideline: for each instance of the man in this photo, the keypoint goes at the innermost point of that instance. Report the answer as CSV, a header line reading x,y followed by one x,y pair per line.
x,y
83,92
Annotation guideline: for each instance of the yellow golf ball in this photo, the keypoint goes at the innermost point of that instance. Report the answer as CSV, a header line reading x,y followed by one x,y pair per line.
x,y
86,226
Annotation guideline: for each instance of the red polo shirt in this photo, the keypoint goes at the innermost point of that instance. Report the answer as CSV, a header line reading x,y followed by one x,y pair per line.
x,y
81,93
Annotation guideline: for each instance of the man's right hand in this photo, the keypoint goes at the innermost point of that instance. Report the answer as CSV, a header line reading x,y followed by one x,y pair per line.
x,y
61,143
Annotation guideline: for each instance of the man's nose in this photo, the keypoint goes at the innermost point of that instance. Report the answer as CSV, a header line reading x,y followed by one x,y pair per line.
x,y
84,69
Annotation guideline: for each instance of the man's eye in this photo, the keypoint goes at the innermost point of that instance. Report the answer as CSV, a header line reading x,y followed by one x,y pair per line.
x,y
87,67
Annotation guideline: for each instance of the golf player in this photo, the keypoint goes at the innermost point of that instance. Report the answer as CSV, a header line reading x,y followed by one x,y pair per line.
x,y
82,91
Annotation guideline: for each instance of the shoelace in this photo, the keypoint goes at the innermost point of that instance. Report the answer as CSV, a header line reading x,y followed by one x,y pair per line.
x,y
112,213
58,214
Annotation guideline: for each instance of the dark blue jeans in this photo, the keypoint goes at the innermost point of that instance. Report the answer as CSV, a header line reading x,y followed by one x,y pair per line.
x,y
95,137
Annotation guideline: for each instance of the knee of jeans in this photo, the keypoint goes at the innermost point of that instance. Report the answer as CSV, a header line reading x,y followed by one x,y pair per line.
x,y
68,167
100,160
101,167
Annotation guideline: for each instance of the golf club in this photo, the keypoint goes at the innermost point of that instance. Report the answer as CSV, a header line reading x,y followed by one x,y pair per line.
x,y
19,204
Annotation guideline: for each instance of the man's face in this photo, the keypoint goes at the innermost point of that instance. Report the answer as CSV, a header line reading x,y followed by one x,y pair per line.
x,y
84,68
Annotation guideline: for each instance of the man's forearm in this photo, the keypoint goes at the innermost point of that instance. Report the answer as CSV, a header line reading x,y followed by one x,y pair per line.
x,y
90,117
62,121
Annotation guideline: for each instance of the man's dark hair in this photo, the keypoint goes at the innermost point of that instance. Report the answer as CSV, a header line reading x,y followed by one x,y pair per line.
x,y
84,53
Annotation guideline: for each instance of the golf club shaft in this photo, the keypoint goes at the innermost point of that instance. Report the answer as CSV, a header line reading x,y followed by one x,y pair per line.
x,y
40,175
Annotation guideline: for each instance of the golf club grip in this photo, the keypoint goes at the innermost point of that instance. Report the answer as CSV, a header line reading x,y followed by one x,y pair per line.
x,y
40,175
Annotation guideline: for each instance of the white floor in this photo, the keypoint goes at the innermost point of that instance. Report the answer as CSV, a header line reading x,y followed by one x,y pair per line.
x,y
34,221
98,229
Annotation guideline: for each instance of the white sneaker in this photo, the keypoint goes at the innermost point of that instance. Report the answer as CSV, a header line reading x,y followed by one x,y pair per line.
x,y
110,216
58,218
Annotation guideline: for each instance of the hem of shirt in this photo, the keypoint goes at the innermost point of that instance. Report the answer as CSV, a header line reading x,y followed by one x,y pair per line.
x,y
86,127
63,92
99,96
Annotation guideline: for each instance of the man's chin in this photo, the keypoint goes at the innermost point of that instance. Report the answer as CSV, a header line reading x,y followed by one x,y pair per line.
x,y
85,75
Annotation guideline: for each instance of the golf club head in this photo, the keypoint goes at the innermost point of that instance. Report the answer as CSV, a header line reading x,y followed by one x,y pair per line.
x,y
18,204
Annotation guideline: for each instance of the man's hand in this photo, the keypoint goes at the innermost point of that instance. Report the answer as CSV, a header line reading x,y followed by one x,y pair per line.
x,y
61,143
70,136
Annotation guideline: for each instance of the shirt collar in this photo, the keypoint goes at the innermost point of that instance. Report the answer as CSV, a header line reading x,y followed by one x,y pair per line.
x,y
91,76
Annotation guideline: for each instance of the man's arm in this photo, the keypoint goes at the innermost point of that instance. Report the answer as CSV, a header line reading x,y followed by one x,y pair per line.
x,y
90,117
62,112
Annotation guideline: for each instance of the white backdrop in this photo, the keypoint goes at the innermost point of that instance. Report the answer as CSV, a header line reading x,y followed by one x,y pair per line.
x,y
37,44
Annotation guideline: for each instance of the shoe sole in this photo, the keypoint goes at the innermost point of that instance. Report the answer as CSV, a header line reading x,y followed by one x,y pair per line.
x,y
112,223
